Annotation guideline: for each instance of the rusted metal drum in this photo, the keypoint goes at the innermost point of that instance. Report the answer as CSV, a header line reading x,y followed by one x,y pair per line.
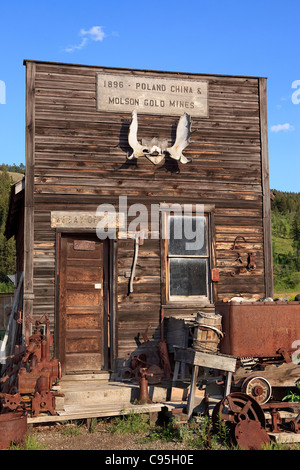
x,y
258,329
208,332
13,427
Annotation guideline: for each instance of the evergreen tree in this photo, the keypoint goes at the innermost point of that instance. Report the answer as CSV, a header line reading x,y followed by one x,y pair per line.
x,y
296,237
7,247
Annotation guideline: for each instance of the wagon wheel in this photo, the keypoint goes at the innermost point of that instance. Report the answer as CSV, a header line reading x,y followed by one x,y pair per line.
x,y
238,407
258,388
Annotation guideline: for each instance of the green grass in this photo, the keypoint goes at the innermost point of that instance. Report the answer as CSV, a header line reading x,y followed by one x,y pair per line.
x,y
132,423
286,272
198,434
72,430
283,245
15,176
276,446
171,432
30,443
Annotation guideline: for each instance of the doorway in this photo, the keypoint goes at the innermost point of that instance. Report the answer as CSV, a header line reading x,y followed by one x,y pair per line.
x,y
83,312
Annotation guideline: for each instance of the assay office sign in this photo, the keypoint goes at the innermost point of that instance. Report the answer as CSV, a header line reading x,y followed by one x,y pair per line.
x,y
151,95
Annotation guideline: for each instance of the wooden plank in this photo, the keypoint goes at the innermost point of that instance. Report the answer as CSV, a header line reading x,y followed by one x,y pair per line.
x,y
269,289
73,412
29,190
213,361
191,397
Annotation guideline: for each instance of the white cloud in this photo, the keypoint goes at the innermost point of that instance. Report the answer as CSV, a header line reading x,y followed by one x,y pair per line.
x,y
74,48
96,33
282,127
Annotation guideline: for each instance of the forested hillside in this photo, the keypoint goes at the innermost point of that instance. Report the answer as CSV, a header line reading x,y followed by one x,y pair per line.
x,y
285,228
8,175
286,242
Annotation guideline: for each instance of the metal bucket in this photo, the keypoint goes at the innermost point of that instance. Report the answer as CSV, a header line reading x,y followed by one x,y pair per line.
x,y
208,333
13,427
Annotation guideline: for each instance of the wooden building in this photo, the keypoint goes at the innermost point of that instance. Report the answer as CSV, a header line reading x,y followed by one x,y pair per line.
x,y
102,294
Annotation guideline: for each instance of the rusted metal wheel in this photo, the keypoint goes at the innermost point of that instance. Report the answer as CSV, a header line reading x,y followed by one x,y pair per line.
x,y
250,435
258,388
244,419
238,407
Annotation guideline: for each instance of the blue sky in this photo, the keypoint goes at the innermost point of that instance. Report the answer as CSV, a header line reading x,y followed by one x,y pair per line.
x,y
256,38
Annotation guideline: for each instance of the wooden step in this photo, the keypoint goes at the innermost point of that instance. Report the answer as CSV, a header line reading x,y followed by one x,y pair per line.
x,y
74,412
77,391
101,376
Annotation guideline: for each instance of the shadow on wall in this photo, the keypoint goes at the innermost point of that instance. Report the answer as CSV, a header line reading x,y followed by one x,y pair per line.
x,y
156,355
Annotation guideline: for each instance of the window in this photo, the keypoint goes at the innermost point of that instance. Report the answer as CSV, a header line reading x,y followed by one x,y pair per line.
x,y
187,258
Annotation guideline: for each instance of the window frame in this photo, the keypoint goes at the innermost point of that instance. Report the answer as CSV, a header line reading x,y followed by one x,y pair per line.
x,y
192,300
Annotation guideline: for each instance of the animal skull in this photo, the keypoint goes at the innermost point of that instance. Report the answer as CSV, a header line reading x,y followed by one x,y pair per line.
x,y
156,150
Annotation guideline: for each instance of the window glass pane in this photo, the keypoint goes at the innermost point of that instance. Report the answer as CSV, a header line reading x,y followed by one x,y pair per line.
x,y
187,235
188,276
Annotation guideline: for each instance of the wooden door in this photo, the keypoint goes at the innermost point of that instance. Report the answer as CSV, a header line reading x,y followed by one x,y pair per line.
x,y
81,304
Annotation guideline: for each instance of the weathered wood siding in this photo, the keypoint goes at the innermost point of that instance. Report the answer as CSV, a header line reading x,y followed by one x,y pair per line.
x,y
79,162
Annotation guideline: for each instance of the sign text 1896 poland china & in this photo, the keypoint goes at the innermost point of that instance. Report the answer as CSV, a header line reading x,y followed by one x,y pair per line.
x,y
151,95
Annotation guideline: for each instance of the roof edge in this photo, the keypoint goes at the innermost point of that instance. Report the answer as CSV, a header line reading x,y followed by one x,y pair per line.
x,y
69,64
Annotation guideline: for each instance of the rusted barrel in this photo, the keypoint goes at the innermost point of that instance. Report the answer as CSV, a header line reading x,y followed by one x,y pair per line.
x,y
208,332
13,427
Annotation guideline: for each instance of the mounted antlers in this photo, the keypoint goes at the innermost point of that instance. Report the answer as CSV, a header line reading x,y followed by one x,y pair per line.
x,y
156,151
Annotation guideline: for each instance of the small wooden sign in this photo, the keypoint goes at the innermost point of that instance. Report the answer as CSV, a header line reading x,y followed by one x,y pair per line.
x,y
81,220
84,245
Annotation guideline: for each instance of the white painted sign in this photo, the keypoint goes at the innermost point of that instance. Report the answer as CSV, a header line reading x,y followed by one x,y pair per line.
x,y
151,95
68,219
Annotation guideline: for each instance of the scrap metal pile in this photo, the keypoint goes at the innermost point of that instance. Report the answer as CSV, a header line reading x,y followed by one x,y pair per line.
x,y
29,374
262,336
250,423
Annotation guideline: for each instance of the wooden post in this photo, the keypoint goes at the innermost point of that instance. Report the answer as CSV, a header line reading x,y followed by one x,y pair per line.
x,y
228,384
191,398
175,374
267,226
29,186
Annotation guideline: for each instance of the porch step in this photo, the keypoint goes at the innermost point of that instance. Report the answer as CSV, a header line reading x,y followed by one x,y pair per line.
x,y
90,390
103,375
73,412
96,392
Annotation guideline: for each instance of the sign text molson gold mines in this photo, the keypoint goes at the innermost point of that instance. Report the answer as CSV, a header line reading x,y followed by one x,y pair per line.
x,y
167,96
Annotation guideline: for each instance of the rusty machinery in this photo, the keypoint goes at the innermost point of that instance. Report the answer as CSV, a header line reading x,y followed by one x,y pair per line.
x,y
152,366
260,335
30,374
154,359
244,418
249,422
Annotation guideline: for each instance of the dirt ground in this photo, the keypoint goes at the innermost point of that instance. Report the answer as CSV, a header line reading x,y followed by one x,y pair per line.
x,y
74,437
77,436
